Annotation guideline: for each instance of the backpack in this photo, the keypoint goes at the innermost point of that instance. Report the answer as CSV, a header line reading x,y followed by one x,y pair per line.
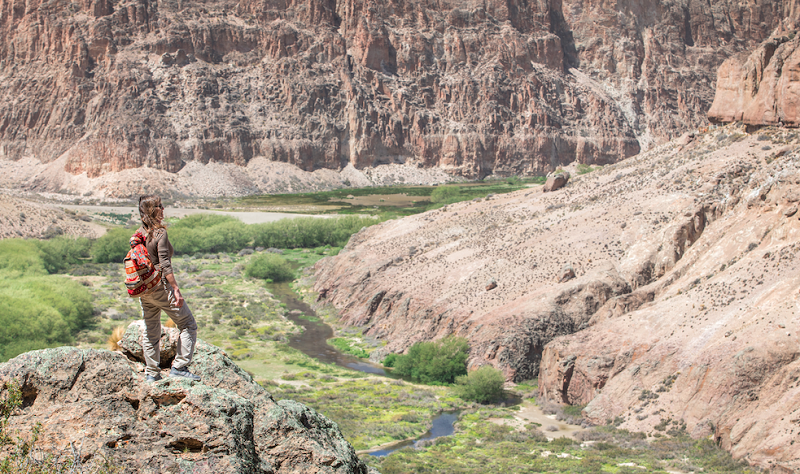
x,y
141,275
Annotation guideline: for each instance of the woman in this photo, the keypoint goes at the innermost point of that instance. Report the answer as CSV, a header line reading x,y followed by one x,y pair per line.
x,y
166,297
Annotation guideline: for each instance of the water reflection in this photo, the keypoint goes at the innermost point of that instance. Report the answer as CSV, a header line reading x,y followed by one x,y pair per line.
x,y
442,426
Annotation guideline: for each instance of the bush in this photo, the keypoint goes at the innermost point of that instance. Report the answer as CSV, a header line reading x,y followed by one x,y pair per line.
x,y
483,385
445,194
434,362
269,266
309,232
113,246
390,360
60,253
40,312
203,233
36,310
20,257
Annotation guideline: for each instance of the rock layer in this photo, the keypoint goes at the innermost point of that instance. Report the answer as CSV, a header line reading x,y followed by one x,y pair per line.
x,y
762,88
99,402
680,303
477,88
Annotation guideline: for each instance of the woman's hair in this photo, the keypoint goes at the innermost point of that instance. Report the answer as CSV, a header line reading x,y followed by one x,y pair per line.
x,y
148,211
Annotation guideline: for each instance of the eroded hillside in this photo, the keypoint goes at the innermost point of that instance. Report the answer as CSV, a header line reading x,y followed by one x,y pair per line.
x,y
683,304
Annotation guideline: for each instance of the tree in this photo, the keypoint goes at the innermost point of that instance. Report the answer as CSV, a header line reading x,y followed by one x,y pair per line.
x,y
482,385
434,362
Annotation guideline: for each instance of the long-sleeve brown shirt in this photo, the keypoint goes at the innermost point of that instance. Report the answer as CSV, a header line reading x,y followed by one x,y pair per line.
x,y
160,250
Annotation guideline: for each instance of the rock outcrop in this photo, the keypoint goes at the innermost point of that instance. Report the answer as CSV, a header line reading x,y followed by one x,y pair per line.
x,y
98,88
99,402
762,88
683,300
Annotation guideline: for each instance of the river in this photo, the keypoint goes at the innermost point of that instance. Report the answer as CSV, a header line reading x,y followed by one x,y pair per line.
x,y
312,341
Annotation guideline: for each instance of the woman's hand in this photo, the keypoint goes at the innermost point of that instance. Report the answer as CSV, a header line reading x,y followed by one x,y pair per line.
x,y
178,297
175,290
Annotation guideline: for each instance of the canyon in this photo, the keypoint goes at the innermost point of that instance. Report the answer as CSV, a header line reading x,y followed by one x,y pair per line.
x,y
114,98
661,289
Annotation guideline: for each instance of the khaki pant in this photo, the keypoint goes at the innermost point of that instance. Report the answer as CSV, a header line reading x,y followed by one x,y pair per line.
x,y
162,298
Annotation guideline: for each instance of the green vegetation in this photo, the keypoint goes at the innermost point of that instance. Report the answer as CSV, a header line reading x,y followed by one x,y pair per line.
x,y
61,252
346,346
446,194
483,385
269,266
434,362
583,168
367,200
372,411
481,445
37,310
113,246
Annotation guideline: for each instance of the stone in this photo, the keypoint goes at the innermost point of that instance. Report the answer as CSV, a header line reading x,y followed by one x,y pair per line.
x,y
131,342
567,274
790,211
226,423
491,284
557,181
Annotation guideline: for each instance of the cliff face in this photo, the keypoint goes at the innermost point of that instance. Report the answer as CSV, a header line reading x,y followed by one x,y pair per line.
x,y
762,88
661,288
99,402
102,86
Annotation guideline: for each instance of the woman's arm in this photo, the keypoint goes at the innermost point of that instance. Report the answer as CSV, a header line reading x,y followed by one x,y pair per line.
x,y
165,263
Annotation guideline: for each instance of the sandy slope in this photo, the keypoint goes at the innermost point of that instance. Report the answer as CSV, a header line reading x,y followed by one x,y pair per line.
x,y
683,306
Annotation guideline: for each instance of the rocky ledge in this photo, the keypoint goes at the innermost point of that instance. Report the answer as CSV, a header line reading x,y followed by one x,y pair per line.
x,y
99,401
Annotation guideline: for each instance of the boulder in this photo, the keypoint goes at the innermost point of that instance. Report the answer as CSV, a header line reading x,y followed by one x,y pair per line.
x,y
556,181
99,401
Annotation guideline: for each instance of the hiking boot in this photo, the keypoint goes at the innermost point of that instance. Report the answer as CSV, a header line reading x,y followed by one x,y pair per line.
x,y
151,379
183,372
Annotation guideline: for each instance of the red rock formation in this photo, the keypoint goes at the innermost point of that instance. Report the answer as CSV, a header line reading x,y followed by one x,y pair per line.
x,y
685,264
763,88
476,88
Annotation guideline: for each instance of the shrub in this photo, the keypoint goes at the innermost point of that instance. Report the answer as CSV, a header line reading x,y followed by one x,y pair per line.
x,y
40,312
434,362
445,194
309,232
483,385
20,257
269,266
390,360
113,246
60,253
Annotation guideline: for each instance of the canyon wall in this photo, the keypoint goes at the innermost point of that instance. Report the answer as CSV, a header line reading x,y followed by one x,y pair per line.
x,y
762,88
661,291
472,88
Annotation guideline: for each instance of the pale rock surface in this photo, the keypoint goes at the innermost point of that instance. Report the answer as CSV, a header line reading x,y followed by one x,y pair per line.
x,y
686,266
99,403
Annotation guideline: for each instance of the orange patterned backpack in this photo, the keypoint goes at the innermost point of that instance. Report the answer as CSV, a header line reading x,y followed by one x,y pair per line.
x,y
140,273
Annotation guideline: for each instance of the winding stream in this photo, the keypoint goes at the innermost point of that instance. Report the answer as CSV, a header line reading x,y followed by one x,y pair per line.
x,y
313,340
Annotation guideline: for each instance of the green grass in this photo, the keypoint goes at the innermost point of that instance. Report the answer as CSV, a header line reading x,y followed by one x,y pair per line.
x,y
348,346
373,411
326,202
480,446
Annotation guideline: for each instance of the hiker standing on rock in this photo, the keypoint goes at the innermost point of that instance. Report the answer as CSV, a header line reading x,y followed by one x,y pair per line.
x,y
165,296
